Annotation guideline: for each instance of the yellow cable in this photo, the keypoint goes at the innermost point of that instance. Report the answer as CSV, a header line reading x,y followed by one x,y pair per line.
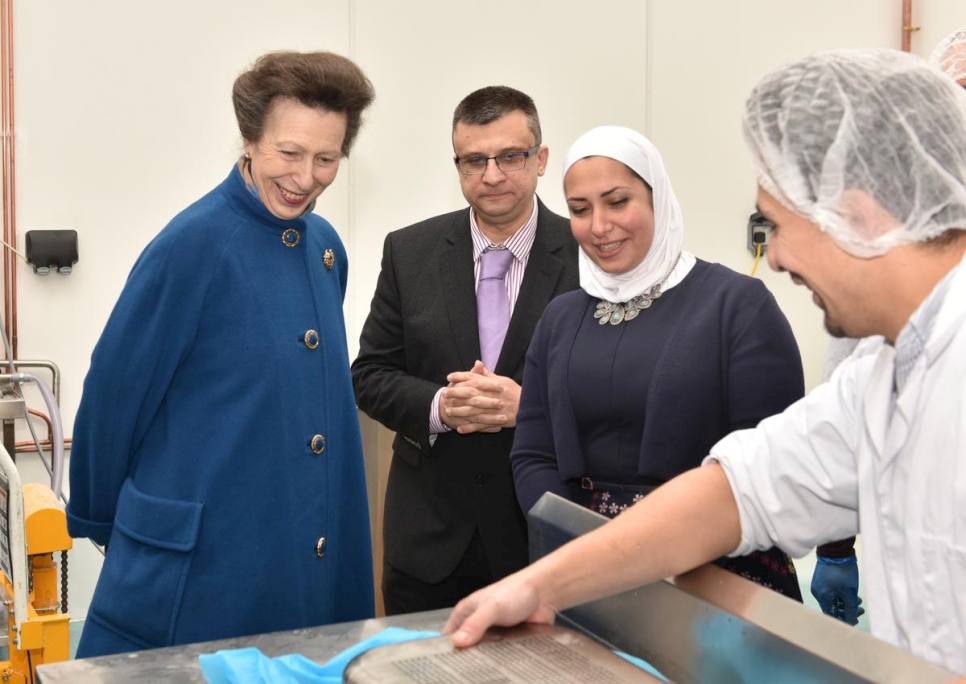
x,y
11,248
757,259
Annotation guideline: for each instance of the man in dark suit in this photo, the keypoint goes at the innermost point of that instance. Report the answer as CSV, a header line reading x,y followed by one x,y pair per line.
x,y
452,523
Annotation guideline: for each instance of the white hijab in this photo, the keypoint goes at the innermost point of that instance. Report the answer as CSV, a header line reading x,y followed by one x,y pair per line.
x,y
637,153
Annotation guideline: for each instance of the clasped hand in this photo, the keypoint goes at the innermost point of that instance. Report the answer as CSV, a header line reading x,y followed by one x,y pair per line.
x,y
479,400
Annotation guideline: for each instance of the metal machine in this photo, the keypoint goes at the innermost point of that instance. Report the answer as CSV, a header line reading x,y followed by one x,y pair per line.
x,y
710,625
33,527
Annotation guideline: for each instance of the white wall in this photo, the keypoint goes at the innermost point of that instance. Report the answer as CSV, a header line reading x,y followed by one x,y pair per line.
x,y
701,73
424,58
124,116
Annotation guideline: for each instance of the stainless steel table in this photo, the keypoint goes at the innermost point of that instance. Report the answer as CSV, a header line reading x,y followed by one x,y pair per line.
x,y
180,663
706,626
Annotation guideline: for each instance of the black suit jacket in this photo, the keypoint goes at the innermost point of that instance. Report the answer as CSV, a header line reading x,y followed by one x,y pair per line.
x,y
422,326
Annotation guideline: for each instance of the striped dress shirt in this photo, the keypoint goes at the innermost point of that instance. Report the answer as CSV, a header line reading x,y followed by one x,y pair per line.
x,y
519,244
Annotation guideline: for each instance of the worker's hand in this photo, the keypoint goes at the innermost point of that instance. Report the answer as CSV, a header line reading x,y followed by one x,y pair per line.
x,y
835,585
509,602
478,400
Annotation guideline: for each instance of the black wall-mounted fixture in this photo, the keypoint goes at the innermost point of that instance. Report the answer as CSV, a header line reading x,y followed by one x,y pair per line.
x,y
52,249
758,229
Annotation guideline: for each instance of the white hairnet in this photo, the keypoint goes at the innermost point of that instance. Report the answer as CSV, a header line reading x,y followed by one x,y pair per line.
x,y
831,128
950,55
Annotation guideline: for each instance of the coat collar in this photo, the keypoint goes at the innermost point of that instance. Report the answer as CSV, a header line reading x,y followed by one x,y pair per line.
x,y
244,202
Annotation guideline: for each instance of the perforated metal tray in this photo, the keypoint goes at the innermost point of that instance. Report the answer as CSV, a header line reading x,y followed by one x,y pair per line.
x,y
526,654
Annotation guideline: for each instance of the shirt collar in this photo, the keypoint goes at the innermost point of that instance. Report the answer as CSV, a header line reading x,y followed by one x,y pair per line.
x,y
519,243
912,338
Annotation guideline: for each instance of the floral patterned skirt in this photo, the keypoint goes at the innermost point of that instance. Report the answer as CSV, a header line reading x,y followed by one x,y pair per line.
x,y
772,568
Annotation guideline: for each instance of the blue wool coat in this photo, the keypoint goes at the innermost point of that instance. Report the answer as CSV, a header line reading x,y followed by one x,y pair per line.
x,y
729,359
217,441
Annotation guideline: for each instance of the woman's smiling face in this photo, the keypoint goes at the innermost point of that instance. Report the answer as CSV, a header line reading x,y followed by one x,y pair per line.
x,y
611,213
297,157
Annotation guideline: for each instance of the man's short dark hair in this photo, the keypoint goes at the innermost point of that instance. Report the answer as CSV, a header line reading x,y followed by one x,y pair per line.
x,y
486,105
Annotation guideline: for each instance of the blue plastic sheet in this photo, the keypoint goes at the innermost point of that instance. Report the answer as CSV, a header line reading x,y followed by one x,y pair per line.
x,y
643,664
251,666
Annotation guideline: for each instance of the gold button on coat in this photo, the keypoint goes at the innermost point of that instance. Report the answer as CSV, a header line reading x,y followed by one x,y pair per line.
x,y
320,547
311,339
318,444
328,258
290,237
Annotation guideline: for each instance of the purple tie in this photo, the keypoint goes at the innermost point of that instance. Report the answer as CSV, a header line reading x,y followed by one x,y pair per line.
x,y
493,304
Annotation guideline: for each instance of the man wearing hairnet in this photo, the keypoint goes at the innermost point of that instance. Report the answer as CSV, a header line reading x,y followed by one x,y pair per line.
x,y
835,581
861,164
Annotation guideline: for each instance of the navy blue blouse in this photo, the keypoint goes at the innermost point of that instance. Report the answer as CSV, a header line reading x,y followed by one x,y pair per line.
x,y
609,397
645,400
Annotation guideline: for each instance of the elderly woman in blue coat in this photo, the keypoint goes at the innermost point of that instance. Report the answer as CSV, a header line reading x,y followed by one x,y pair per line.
x,y
216,449
631,379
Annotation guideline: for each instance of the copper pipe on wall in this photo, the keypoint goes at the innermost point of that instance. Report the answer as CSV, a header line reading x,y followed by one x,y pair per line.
x,y
9,176
46,419
28,447
907,28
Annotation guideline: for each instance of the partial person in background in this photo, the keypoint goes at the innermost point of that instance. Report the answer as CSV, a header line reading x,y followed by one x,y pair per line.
x,y
216,449
861,164
950,56
835,582
634,377
441,357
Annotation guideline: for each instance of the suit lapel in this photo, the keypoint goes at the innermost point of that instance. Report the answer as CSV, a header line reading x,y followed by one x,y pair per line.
x,y
537,289
459,289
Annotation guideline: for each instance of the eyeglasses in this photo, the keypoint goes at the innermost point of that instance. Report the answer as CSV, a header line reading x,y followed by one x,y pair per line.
x,y
506,162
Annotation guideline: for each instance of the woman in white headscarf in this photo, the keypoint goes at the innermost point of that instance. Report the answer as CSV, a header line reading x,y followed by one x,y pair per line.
x,y
631,379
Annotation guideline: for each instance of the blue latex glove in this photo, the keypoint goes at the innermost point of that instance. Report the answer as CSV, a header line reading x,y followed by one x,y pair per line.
x,y
835,585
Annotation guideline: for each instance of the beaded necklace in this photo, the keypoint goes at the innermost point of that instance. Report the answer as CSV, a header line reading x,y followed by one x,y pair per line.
x,y
609,312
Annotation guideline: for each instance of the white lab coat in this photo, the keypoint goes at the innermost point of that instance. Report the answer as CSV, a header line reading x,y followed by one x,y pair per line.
x,y
849,457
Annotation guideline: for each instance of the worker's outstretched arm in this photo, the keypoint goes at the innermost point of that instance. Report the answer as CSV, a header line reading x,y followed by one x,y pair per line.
x,y
689,521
